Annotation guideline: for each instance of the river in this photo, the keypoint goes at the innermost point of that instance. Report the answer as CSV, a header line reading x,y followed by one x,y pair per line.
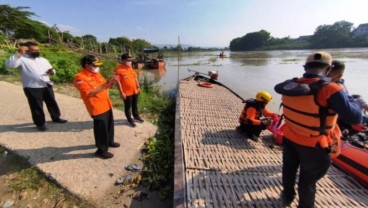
x,y
249,72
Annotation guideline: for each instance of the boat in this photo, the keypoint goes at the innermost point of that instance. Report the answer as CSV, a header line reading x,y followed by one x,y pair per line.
x,y
216,166
353,158
153,58
138,63
222,54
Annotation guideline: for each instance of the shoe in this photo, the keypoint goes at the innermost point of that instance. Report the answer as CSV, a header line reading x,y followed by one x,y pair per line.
x,y
254,138
104,155
131,122
42,127
285,200
114,144
59,120
239,129
139,119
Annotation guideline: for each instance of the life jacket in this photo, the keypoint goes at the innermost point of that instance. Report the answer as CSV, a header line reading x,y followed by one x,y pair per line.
x,y
251,103
301,110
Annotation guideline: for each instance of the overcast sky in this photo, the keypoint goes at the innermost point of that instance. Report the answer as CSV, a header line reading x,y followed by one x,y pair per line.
x,y
206,23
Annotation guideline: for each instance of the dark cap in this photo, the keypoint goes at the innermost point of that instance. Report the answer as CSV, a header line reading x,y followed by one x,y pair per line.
x,y
126,56
91,60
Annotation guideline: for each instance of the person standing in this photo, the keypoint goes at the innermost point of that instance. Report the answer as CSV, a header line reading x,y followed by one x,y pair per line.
x,y
129,88
309,119
94,91
335,74
35,71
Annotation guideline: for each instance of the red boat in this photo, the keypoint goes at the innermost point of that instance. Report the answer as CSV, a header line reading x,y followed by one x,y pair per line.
x,y
354,157
155,64
153,58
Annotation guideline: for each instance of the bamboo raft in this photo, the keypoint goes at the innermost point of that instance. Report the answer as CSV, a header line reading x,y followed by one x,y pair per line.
x,y
215,166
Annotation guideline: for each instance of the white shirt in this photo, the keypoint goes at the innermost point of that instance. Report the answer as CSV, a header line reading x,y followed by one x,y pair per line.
x,y
32,70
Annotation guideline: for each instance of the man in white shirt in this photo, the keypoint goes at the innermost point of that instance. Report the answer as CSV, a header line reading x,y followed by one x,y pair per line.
x,y
35,71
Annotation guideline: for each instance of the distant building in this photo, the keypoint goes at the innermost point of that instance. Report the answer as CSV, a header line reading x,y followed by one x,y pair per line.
x,y
302,39
361,30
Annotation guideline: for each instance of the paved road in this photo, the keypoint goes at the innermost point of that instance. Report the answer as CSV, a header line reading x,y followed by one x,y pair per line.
x,y
65,151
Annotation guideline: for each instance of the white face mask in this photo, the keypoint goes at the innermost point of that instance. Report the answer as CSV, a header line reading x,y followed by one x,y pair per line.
x,y
95,69
128,63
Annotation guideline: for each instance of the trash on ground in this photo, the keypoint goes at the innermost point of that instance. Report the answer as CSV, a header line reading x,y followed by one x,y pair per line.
x,y
124,179
134,168
8,203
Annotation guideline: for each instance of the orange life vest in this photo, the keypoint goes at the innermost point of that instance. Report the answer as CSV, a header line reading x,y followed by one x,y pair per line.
x,y
306,117
302,112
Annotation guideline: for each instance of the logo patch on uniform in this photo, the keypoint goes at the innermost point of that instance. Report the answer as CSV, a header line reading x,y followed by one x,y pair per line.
x,y
78,81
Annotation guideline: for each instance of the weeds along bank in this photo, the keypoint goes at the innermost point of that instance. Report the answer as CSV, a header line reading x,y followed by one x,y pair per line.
x,y
156,106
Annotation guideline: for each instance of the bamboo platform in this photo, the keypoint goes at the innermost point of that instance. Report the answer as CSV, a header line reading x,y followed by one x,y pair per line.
x,y
215,166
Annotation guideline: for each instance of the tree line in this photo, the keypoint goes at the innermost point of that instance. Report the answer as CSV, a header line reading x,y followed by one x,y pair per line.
x,y
338,35
16,23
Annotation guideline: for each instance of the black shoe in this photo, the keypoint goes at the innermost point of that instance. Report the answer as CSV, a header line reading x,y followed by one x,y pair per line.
x,y
139,119
286,201
42,128
254,138
131,122
59,120
114,144
104,155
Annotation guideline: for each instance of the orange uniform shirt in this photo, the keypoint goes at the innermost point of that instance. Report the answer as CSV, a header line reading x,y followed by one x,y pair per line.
x,y
85,81
127,78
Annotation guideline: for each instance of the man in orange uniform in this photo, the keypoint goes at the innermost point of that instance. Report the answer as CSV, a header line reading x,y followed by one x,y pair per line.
x,y
93,89
255,116
309,119
129,88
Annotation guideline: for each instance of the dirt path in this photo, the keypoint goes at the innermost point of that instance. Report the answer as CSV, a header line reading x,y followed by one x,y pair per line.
x,y
65,151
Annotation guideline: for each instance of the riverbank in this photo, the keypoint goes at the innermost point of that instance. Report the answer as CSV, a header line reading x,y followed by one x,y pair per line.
x,y
64,153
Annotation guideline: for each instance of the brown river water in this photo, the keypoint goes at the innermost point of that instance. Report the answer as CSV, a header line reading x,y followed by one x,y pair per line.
x,y
246,73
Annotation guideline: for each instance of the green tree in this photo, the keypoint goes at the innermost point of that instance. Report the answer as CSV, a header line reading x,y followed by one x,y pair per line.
x,y
250,41
139,44
124,43
333,36
14,19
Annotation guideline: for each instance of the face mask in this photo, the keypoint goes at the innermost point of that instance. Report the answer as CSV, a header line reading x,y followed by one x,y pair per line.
x,y
95,69
35,54
128,63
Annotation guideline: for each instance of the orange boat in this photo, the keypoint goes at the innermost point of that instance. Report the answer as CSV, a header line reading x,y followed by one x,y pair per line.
x,y
354,159
154,59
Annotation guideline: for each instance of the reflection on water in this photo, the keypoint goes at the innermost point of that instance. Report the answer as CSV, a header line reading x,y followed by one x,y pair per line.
x,y
248,72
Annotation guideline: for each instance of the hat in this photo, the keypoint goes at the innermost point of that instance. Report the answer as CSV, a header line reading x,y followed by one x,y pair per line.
x,y
126,56
320,57
91,59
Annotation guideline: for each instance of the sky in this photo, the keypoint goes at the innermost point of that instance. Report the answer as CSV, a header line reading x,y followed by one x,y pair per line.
x,y
202,23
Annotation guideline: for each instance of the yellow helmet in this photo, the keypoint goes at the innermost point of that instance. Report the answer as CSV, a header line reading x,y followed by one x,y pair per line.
x,y
263,96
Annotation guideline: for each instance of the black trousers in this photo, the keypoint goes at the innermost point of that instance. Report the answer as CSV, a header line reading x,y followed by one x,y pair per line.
x,y
103,129
131,104
313,162
251,130
36,97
